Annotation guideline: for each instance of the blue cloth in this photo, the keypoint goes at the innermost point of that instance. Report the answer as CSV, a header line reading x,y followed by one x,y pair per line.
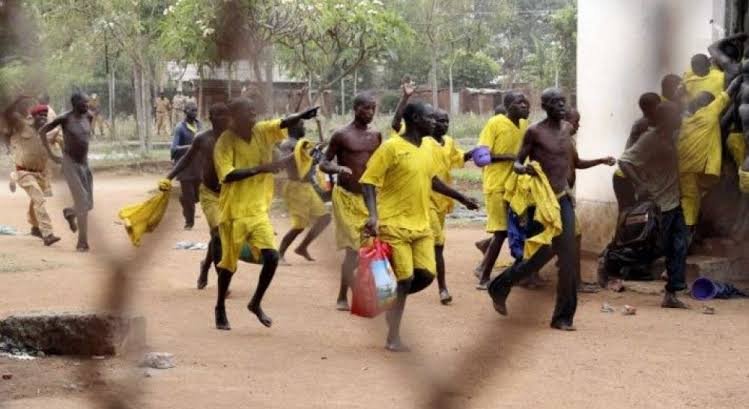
x,y
182,136
516,235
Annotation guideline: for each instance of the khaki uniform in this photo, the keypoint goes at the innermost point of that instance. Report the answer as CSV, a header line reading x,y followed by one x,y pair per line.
x,y
162,114
178,106
30,159
94,105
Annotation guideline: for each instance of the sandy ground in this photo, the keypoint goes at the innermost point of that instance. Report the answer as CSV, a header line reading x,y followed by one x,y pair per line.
x,y
315,357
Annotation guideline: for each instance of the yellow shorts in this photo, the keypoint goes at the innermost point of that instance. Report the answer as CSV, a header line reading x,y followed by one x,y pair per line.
x,y
496,212
350,215
410,250
209,203
437,224
256,231
304,204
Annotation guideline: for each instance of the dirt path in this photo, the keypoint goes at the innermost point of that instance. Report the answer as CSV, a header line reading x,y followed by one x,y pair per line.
x,y
315,357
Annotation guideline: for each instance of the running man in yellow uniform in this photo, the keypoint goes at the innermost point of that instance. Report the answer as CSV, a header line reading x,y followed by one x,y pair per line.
x,y
199,160
397,185
243,157
447,156
304,204
503,135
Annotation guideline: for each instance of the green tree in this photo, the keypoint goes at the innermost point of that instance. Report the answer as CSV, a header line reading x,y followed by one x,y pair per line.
x,y
473,69
333,38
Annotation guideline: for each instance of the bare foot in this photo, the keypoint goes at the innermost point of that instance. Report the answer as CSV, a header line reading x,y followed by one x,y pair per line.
x,y
82,247
342,305
445,297
258,311
222,322
616,286
396,346
203,277
500,306
282,262
304,253
482,285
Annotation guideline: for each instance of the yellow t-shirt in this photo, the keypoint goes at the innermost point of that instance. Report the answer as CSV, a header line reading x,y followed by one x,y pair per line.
x,y
714,82
247,197
446,157
502,137
699,141
403,173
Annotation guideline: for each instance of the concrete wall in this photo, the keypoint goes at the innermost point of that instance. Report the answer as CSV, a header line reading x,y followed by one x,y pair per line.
x,y
624,49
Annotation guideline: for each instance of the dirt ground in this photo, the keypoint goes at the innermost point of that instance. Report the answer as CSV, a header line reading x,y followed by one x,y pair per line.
x,y
316,357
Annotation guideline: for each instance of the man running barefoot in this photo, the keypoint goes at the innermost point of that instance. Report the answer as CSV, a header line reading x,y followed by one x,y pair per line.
x,y
76,133
30,160
305,206
198,160
351,148
447,156
397,185
244,160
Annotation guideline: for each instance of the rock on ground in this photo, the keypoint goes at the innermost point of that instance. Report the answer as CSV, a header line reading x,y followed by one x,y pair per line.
x,y
158,360
83,334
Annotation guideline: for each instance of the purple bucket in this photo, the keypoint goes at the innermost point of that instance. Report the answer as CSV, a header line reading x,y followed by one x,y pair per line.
x,y
704,289
482,156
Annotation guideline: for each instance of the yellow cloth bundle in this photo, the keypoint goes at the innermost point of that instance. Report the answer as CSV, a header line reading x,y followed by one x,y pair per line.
x,y
303,156
743,181
143,217
524,191
737,147
713,83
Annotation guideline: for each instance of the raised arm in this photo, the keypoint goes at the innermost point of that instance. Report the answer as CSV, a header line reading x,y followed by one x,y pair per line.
x,y
407,90
589,163
719,56
293,119
43,135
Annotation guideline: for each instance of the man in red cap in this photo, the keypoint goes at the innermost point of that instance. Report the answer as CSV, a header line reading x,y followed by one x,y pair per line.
x,y
30,159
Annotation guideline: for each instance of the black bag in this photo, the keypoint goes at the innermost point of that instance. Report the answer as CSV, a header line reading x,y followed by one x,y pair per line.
x,y
637,243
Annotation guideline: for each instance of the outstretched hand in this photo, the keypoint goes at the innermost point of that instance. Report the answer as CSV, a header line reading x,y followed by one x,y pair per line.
x,y
408,89
309,113
470,203
345,170
609,160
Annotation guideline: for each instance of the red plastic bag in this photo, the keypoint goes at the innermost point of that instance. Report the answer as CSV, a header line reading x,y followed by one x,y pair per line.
x,y
374,289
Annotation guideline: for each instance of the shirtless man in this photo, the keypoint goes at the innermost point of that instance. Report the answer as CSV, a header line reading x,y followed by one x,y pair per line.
x,y
549,143
198,159
351,147
304,204
76,133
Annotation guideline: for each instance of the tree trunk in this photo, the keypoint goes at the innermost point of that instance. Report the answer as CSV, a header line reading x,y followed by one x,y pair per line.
x,y
269,92
147,98
433,78
112,96
140,119
200,92
450,77
229,82
343,96
356,80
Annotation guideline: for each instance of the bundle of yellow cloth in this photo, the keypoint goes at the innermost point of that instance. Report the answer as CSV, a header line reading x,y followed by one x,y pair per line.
x,y
743,181
713,82
143,217
524,191
303,156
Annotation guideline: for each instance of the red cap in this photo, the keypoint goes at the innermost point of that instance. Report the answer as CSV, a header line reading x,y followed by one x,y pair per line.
x,y
39,109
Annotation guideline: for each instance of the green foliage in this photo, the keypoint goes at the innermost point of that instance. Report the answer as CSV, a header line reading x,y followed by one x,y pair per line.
x,y
187,32
332,37
473,69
